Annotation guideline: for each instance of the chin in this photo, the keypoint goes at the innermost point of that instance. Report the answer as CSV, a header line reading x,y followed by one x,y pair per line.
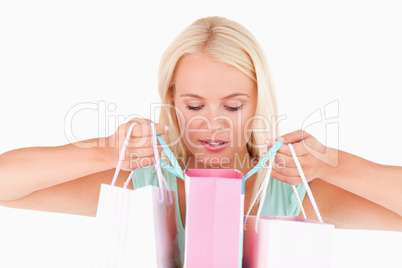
x,y
211,160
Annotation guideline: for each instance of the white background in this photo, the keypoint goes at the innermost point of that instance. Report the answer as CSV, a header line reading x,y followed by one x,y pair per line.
x,y
55,55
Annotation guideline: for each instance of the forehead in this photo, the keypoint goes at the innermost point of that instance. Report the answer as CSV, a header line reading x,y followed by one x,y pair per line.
x,y
201,74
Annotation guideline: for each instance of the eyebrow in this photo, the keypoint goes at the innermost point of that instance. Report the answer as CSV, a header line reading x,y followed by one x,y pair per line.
x,y
227,97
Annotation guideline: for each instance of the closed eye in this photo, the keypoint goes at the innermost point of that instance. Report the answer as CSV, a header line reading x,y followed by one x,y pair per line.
x,y
232,109
196,108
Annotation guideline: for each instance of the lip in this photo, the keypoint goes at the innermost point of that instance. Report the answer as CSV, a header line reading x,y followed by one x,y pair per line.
x,y
214,148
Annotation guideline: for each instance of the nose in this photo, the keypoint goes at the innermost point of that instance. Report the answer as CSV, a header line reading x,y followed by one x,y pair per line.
x,y
218,122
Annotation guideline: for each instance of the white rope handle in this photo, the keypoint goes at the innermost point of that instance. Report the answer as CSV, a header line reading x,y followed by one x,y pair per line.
x,y
161,179
309,193
264,187
122,154
299,201
263,190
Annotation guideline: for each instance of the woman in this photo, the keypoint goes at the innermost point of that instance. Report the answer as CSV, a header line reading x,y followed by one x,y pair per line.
x,y
220,106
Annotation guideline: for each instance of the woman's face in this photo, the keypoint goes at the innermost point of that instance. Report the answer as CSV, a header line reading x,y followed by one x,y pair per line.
x,y
215,105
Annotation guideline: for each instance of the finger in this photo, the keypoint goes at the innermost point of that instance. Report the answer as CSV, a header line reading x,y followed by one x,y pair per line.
x,y
139,142
288,161
286,171
289,180
138,121
269,142
144,142
144,129
300,149
294,137
143,152
164,136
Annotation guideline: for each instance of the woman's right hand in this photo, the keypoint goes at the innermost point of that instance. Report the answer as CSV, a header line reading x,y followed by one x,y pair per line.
x,y
140,151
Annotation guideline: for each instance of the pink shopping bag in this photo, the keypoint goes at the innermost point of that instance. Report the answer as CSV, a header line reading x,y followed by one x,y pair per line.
x,y
214,213
137,228
286,241
214,218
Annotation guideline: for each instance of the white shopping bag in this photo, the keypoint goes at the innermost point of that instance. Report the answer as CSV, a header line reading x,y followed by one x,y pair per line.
x,y
137,228
286,241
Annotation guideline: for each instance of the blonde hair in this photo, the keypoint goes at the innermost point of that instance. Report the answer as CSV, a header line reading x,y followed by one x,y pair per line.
x,y
229,42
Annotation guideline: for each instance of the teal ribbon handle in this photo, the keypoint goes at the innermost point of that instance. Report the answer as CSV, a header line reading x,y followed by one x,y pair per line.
x,y
263,162
176,169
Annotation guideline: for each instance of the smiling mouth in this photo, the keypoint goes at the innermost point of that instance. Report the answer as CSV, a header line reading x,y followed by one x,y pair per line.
x,y
214,146
214,142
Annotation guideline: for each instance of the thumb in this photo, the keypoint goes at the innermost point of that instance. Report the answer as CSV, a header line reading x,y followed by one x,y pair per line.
x,y
269,142
293,137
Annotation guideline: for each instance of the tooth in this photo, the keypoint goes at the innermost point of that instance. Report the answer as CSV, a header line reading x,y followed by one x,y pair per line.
x,y
215,143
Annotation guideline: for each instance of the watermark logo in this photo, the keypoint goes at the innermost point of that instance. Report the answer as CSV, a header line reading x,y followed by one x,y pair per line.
x,y
323,123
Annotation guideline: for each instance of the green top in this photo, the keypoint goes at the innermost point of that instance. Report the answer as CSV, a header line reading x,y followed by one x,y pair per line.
x,y
280,199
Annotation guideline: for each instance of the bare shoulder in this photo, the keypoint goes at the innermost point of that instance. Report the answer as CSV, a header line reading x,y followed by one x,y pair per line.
x,y
79,196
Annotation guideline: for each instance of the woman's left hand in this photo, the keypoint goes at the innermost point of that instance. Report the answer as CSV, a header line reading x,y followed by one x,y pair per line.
x,y
313,156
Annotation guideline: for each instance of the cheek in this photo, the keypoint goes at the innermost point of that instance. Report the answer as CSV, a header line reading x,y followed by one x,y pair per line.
x,y
244,125
189,125
182,117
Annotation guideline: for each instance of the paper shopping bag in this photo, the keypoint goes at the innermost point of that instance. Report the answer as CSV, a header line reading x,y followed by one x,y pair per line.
x,y
286,241
137,228
214,218
214,212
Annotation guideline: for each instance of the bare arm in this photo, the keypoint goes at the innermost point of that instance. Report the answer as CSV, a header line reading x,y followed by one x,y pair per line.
x,y
62,179
353,192
25,170
67,178
377,183
349,211
79,196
